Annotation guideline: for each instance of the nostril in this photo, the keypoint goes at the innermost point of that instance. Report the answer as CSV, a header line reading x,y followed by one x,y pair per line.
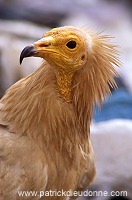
x,y
43,45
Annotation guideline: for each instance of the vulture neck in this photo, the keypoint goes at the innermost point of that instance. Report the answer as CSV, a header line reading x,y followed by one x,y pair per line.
x,y
64,82
43,114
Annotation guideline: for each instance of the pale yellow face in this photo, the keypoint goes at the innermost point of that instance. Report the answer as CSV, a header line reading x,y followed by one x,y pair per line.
x,y
63,48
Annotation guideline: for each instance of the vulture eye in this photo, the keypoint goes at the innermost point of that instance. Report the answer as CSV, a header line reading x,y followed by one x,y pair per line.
x,y
71,44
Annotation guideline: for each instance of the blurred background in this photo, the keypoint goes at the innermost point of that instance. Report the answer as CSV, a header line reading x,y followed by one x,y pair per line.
x,y
22,22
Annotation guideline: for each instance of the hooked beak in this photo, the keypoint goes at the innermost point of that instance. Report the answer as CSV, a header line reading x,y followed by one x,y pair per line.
x,y
37,48
27,52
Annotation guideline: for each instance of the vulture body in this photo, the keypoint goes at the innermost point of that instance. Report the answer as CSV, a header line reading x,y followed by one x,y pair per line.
x,y
45,117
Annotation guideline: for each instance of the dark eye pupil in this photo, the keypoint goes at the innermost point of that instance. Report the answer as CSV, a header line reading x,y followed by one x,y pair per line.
x,y
71,44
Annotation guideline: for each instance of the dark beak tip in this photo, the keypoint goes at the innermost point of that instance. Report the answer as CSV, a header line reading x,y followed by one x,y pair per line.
x,y
21,59
27,52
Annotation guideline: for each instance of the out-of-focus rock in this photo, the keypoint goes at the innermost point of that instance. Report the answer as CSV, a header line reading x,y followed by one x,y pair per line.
x,y
112,142
22,29
14,36
45,12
